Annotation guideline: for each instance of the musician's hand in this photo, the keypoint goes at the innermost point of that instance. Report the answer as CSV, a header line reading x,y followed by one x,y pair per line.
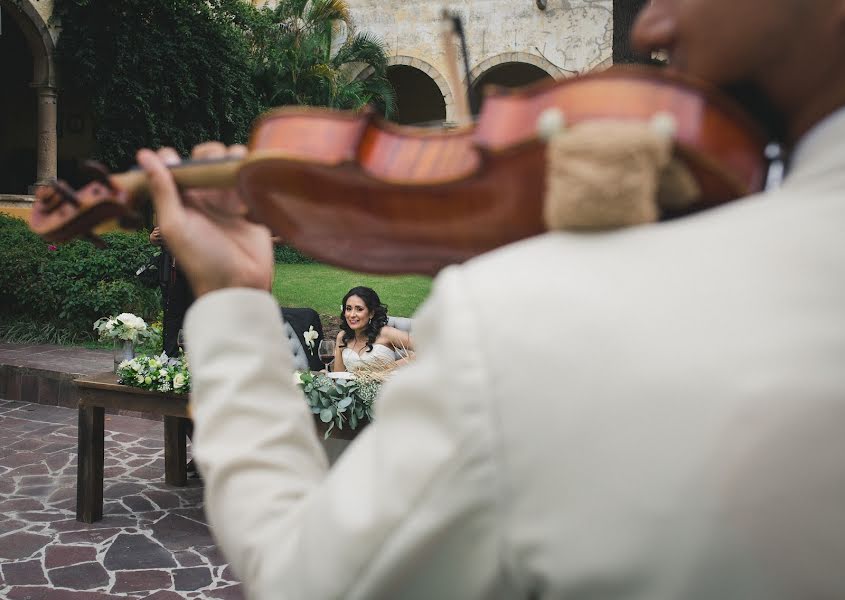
x,y
206,230
155,236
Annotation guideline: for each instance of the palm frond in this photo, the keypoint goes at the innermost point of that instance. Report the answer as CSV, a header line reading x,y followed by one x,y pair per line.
x,y
365,48
323,12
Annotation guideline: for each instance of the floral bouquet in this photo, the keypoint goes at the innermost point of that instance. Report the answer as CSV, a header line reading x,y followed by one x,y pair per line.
x,y
124,326
338,402
158,373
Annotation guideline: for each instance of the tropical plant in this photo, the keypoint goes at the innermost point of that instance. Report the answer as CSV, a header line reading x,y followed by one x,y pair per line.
x,y
308,52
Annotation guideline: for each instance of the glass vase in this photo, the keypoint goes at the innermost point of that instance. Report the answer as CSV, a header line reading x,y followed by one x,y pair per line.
x,y
123,350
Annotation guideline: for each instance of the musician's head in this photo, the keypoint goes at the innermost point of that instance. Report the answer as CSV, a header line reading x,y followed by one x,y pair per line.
x,y
789,52
362,314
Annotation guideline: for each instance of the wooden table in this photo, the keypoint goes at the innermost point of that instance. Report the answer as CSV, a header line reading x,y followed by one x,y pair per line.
x,y
99,392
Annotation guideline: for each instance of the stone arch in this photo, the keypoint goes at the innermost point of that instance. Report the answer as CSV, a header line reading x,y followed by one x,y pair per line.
x,y
427,69
517,57
41,43
40,143
530,67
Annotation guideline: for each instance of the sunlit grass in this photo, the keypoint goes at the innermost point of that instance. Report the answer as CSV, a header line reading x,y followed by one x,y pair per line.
x,y
322,288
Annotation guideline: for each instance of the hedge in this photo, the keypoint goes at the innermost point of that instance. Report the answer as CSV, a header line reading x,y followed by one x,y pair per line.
x,y
54,293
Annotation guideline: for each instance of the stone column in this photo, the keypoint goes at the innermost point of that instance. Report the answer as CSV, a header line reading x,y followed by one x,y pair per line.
x,y
47,145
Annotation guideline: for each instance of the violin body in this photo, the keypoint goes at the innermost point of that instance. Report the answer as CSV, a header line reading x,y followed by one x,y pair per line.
x,y
358,192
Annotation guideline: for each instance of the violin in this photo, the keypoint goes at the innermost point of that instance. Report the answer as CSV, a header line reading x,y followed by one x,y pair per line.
x,y
401,199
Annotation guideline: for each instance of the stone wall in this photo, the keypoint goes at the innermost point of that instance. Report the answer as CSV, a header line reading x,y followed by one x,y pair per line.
x,y
568,37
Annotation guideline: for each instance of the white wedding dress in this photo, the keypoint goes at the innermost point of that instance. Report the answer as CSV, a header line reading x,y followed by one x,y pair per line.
x,y
380,354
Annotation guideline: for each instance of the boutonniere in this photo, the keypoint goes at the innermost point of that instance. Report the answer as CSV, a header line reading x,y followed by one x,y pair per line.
x,y
310,336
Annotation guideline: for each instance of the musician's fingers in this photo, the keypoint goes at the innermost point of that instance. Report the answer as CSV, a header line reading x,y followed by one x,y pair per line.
x,y
163,191
169,156
237,151
217,204
208,150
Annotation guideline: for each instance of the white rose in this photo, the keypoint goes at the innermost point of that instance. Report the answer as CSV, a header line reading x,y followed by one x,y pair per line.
x,y
139,378
178,381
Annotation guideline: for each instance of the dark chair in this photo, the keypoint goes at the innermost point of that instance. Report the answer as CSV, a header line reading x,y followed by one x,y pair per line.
x,y
297,322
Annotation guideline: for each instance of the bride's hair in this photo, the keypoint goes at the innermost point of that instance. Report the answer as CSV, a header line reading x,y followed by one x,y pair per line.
x,y
378,315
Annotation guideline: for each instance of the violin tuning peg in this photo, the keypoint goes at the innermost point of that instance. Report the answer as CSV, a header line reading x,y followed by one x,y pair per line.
x,y
52,196
664,124
550,122
97,171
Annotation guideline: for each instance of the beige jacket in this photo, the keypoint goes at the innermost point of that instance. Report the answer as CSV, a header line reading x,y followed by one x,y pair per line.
x,y
654,413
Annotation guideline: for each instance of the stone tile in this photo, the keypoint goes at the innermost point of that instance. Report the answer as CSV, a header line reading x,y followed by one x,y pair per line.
x,y
62,556
43,531
121,489
36,469
26,444
164,500
89,536
24,573
129,551
138,503
7,525
42,517
20,459
84,576
46,593
165,595
21,545
230,592
192,578
136,581
212,555
179,533
19,504
188,558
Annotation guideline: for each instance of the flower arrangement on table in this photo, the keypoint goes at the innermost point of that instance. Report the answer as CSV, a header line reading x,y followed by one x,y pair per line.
x,y
338,402
125,326
157,373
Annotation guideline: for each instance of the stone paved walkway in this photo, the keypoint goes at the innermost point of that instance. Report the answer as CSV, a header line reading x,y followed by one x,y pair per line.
x,y
152,543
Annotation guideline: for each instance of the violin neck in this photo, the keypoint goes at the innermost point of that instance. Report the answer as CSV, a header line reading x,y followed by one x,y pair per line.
x,y
214,173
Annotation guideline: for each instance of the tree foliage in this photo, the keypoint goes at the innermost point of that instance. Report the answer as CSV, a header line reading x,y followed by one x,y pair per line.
x,y
177,72
308,52
157,72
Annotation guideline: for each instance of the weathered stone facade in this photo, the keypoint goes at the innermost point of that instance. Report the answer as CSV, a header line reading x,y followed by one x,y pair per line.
x,y
568,37
510,42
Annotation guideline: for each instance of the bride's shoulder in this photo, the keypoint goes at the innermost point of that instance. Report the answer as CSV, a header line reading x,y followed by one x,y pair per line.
x,y
387,335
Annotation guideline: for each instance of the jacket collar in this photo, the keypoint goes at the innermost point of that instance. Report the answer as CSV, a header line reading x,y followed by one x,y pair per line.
x,y
821,152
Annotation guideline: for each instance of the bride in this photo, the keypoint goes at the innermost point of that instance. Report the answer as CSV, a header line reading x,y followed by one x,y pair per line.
x,y
364,337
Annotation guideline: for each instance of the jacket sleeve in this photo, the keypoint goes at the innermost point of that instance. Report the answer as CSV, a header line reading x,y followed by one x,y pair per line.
x,y
409,508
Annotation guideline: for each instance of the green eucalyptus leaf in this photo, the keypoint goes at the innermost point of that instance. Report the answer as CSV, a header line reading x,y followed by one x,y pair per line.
x,y
326,415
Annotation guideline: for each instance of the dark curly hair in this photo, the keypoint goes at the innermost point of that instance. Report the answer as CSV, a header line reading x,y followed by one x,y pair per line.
x,y
377,320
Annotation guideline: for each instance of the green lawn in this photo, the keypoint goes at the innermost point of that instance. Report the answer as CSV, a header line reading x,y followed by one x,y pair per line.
x,y
322,288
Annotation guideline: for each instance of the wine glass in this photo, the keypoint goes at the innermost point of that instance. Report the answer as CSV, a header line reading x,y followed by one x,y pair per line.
x,y
326,352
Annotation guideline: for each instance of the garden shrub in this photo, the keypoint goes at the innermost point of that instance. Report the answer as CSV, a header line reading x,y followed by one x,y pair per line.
x,y
54,293
289,255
